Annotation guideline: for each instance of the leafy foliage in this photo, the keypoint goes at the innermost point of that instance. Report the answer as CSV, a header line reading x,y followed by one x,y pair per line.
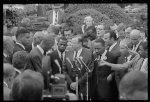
x,y
113,11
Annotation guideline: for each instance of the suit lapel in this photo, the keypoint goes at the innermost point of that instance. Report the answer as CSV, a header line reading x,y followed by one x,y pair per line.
x,y
41,56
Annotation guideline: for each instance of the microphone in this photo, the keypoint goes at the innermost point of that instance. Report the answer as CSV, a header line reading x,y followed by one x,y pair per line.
x,y
17,70
69,62
79,63
57,63
55,77
84,64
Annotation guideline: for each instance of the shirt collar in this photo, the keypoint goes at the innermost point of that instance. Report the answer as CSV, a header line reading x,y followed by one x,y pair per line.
x,y
59,53
104,53
32,46
5,83
20,45
5,54
79,52
112,46
41,50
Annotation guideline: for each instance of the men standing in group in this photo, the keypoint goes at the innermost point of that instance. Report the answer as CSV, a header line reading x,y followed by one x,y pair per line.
x,y
55,14
113,53
76,57
136,39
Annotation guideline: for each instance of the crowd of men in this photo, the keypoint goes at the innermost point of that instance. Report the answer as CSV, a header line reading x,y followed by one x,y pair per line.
x,y
100,63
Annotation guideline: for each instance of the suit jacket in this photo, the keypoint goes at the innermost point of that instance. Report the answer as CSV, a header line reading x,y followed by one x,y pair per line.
x,y
54,67
17,48
49,15
82,75
46,70
6,93
119,74
35,59
113,57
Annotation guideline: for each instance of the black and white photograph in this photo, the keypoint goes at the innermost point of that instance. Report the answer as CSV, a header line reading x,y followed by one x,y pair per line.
x,y
67,52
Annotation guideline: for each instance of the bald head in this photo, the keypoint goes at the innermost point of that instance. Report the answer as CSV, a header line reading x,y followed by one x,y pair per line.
x,y
135,33
135,36
134,86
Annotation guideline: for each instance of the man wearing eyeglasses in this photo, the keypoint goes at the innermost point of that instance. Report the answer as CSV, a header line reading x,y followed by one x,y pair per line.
x,y
135,38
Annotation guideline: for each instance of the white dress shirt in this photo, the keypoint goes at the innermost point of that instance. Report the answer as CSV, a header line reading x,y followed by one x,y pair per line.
x,y
112,46
135,47
144,65
78,53
5,83
41,50
59,53
20,45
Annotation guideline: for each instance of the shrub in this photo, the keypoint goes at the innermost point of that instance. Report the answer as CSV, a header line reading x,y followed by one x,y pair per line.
x,y
78,17
113,11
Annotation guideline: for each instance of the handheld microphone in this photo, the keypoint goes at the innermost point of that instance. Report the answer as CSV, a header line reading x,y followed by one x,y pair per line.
x,y
56,61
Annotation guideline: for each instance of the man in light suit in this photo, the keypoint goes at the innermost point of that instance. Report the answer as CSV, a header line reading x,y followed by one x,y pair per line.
x,y
78,67
55,14
8,77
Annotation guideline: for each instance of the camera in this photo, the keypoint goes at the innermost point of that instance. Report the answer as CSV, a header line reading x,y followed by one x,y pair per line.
x,y
57,88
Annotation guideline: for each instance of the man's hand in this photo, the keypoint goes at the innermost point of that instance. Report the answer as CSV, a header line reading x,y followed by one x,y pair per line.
x,y
109,78
73,85
102,63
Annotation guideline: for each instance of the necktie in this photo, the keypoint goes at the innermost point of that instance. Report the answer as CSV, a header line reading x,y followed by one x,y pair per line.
x,y
125,59
61,56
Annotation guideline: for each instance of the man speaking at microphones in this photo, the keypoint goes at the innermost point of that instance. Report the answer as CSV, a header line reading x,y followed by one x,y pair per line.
x,y
79,60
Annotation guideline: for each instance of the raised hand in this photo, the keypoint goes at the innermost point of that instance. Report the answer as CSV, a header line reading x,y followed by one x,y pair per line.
x,y
73,85
102,63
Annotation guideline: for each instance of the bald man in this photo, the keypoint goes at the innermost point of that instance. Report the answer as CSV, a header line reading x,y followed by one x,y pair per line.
x,y
135,37
134,86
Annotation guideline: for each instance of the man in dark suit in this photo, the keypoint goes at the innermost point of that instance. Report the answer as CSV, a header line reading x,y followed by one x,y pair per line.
x,y
8,77
37,53
22,39
113,53
58,59
82,54
8,46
